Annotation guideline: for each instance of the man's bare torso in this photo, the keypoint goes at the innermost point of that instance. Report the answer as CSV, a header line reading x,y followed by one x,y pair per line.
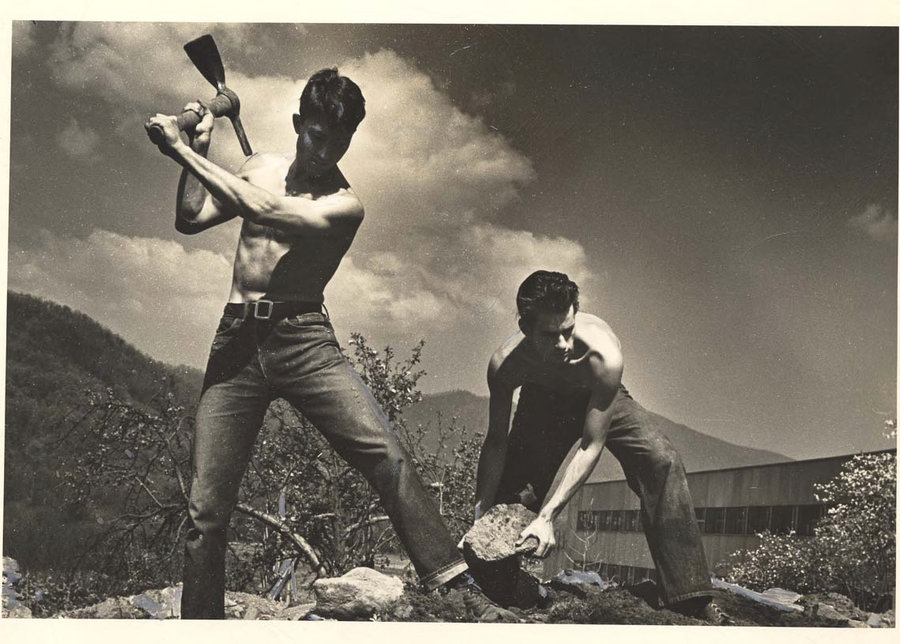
x,y
514,364
279,266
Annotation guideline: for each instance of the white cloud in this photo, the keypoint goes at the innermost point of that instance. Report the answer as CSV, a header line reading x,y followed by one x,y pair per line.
x,y
157,295
140,68
78,141
877,222
22,37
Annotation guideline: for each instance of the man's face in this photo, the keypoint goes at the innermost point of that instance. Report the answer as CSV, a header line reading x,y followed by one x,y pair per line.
x,y
552,335
320,145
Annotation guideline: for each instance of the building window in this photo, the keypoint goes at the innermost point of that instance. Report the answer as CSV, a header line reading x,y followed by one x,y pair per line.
x,y
735,520
715,520
630,521
807,517
700,513
616,521
586,520
757,519
605,520
782,519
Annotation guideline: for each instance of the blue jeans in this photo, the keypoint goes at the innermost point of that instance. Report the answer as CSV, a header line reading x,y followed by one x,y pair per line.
x,y
546,425
253,362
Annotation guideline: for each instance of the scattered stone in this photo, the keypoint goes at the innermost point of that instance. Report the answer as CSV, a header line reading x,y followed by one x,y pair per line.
x,y
855,623
160,604
295,613
12,601
830,615
494,535
881,620
240,605
112,608
582,577
779,598
840,603
362,593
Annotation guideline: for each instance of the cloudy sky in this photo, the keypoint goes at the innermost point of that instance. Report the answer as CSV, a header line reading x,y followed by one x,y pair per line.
x,y
725,196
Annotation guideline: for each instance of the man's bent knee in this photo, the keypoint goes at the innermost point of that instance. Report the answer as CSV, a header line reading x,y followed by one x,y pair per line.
x,y
665,460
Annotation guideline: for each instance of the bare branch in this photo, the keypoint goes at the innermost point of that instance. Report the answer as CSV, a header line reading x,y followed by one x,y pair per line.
x,y
276,522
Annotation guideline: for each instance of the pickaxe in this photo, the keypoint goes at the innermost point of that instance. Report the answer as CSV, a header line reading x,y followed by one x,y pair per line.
x,y
205,56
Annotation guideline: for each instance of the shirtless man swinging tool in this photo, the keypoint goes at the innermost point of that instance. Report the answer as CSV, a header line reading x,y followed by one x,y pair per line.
x,y
275,339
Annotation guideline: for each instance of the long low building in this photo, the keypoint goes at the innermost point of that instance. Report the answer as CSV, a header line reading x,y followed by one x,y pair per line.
x,y
601,529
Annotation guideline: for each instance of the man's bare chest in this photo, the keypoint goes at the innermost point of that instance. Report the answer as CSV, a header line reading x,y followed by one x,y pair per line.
x,y
569,376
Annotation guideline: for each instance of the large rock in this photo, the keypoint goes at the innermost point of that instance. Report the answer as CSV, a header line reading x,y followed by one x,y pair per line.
x,y
12,602
489,548
360,594
494,535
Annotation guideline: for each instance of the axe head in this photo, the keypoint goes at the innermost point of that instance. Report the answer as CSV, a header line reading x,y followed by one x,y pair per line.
x,y
205,56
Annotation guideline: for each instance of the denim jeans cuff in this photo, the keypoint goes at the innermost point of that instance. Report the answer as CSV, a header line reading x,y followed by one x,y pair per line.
x,y
706,592
443,575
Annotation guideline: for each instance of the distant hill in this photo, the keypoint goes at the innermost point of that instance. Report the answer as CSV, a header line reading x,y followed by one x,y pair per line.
x,y
54,357
698,450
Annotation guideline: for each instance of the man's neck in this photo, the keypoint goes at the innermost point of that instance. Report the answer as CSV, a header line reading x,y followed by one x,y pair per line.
x,y
298,181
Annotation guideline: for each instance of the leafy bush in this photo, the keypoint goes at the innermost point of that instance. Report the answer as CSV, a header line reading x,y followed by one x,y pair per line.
x,y
780,561
856,540
853,550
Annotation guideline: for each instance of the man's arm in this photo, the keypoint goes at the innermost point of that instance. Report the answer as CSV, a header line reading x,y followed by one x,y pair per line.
x,y
607,372
195,209
336,214
493,451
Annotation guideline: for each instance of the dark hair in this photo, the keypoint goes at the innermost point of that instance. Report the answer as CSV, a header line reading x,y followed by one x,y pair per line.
x,y
336,97
547,292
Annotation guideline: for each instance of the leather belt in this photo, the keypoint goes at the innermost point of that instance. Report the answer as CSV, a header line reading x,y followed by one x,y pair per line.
x,y
268,310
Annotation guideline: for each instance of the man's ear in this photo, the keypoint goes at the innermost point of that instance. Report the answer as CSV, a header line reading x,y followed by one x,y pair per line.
x,y
298,122
522,326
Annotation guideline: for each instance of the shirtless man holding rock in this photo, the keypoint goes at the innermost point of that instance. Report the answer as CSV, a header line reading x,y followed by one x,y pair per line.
x,y
275,339
569,367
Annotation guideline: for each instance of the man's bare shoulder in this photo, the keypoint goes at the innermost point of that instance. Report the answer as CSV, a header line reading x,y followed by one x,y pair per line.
x,y
594,332
263,163
502,370
602,349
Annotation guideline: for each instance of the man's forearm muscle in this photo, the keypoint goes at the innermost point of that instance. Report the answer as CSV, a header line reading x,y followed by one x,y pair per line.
x,y
333,214
493,452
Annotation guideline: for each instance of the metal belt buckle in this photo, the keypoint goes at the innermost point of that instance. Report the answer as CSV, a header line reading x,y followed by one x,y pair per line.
x,y
268,312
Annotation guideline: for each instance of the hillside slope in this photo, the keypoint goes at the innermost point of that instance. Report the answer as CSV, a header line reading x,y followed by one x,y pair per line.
x,y
54,357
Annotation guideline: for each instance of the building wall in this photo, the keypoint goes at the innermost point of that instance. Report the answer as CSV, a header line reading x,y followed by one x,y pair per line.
x,y
597,527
